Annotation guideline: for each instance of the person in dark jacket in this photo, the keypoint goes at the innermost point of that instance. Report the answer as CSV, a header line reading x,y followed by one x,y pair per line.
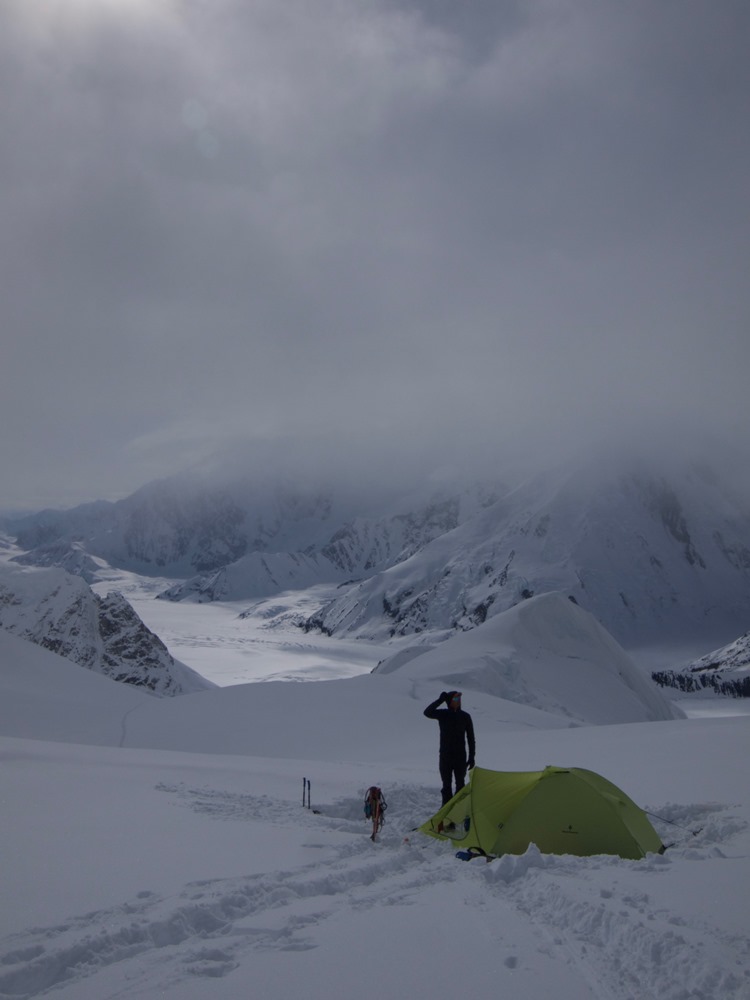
x,y
456,731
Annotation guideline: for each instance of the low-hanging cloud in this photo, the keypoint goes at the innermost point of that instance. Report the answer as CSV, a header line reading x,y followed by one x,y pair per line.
x,y
422,226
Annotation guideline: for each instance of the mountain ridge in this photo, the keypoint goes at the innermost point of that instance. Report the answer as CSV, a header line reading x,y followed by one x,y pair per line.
x,y
724,671
647,547
59,612
632,552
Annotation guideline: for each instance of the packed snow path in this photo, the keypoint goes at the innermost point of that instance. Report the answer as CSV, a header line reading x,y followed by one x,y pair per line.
x,y
594,927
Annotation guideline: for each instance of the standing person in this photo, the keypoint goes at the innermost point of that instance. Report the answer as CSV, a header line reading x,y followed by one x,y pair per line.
x,y
456,730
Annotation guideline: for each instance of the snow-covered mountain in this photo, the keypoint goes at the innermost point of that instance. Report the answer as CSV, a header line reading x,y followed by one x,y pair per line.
x,y
357,549
247,539
70,556
61,613
725,671
158,530
651,549
181,526
647,555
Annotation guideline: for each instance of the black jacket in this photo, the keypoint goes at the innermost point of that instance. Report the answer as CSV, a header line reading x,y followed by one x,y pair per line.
x,y
456,729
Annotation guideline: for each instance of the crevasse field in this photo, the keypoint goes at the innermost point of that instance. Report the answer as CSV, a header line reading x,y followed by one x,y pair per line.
x,y
160,848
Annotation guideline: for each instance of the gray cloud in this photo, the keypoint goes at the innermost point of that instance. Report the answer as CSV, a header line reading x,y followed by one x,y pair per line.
x,y
441,226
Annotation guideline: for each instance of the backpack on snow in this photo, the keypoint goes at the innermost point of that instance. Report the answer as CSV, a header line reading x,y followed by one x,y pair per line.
x,y
375,806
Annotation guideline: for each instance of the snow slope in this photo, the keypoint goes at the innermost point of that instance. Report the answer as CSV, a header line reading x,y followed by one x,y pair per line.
x,y
149,852
548,653
46,696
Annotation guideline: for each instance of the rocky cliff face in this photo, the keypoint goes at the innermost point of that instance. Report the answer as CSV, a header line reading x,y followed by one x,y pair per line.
x,y
61,613
725,671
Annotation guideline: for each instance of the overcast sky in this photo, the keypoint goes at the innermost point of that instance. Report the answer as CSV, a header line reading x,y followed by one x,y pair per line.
x,y
423,225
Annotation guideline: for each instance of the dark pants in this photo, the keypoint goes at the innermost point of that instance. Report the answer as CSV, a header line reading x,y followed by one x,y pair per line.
x,y
450,768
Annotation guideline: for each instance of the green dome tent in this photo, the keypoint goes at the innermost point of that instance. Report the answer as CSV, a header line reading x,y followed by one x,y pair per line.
x,y
561,810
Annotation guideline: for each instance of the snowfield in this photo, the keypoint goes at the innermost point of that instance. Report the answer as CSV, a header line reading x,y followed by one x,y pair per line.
x,y
159,847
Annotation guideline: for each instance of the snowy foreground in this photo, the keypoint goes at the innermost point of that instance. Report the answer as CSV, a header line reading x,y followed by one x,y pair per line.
x,y
159,847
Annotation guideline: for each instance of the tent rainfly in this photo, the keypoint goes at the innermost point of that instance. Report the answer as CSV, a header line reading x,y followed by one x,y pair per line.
x,y
561,810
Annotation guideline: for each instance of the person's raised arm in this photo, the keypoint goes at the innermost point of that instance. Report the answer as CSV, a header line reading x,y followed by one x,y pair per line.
x,y
432,708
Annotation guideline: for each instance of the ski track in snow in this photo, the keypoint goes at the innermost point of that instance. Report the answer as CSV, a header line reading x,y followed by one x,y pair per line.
x,y
620,945
620,941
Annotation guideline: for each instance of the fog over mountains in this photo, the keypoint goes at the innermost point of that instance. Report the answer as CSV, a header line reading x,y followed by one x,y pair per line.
x,y
653,549
645,554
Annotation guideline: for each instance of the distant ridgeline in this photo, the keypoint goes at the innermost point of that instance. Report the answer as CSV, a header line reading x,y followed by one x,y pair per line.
x,y
690,683
725,671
